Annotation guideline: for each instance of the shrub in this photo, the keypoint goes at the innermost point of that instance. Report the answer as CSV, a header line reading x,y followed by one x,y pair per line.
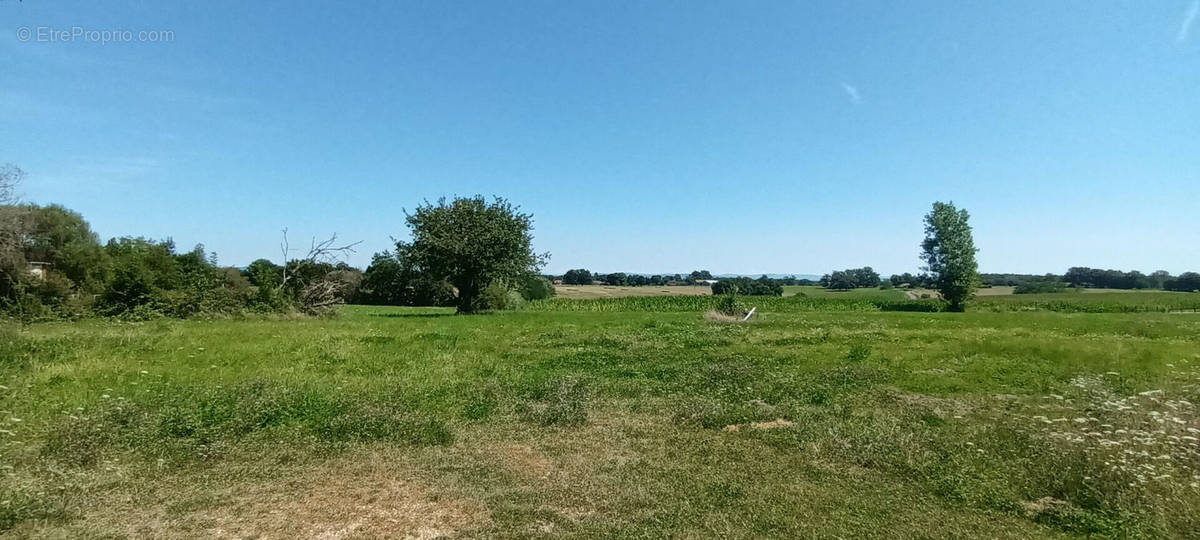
x,y
727,304
859,352
537,288
498,296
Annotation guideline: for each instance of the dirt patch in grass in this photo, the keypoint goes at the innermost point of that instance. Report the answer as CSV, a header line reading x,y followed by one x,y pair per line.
x,y
378,505
1044,504
773,424
941,407
363,495
721,318
522,459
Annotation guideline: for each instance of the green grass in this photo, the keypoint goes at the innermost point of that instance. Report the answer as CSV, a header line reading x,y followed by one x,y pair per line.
x,y
606,422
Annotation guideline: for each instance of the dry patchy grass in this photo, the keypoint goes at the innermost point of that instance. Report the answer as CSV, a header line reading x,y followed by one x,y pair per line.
x,y
392,423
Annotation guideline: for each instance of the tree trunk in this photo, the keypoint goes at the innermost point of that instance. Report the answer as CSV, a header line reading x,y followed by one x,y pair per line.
x,y
466,298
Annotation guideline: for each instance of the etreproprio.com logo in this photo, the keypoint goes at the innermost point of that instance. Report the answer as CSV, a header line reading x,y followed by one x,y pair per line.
x,y
50,34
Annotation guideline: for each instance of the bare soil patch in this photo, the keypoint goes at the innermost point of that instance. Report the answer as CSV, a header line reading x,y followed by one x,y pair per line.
x,y
773,424
364,495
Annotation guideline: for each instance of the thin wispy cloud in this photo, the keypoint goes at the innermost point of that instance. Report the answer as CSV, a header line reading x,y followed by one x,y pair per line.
x,y
852,92
1188,19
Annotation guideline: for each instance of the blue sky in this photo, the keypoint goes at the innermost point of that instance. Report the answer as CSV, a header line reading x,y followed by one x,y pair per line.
x,y
643,136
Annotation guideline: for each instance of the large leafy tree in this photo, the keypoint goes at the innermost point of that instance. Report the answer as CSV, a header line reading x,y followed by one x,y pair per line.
x,y
949,254
473,243
52,234
578,276
64,239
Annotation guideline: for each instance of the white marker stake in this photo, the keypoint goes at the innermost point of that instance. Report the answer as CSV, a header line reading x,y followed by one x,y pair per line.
x,y
748,315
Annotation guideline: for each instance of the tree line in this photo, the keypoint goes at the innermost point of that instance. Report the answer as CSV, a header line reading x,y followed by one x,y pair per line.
x,y
1075,277
763,286
582,276
469,253
948,251
852,278
56,267
1095,278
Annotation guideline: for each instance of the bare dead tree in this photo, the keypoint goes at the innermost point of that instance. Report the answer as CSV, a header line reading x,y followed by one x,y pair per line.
x,y
12,226
10,176
320,296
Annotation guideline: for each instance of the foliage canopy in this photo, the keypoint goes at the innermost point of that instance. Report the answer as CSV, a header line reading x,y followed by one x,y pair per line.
x,y
472,243
949,254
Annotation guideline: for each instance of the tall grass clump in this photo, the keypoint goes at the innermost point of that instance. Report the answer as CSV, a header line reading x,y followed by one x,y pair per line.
x,y
181,423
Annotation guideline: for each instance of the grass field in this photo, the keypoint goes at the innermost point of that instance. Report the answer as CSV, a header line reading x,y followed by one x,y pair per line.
x,y
608,291
594,423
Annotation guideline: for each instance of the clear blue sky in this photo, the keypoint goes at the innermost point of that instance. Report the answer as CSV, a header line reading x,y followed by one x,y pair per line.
x,y
643,136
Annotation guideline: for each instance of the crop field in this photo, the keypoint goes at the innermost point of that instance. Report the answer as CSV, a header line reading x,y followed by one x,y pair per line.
x,y
1004,290
555,421
610,291
821,292
1094,302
